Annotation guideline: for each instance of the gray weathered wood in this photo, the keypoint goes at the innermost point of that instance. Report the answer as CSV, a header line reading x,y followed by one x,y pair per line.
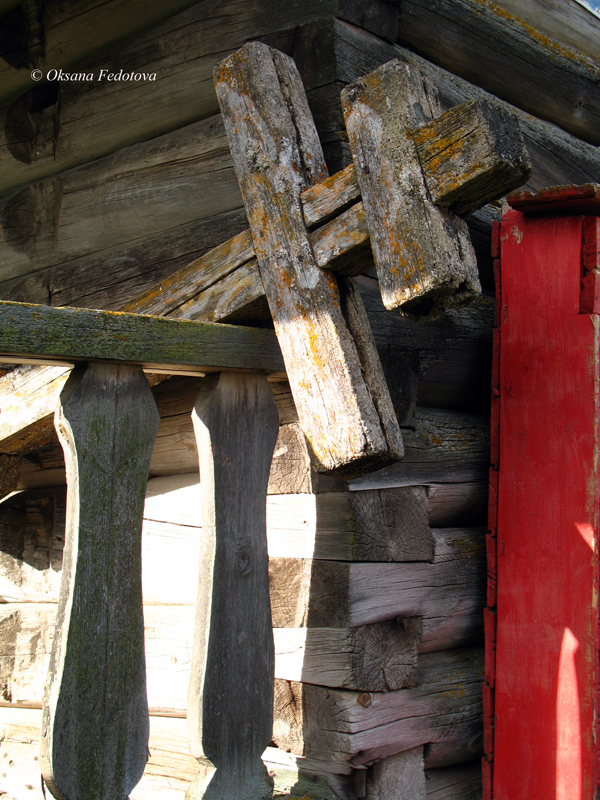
x,y
346,53
332,724
372,658
443,447
177,179
95,725
277,153
401,776
462,782
471,155
43,334
567,21
423,254
448,594
229,699
545,78
63,35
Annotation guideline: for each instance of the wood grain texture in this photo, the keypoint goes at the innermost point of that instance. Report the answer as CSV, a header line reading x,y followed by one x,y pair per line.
x,y
229,721
276,152
401,775
461,782
449,594
347,53
95,724
469,38
443,447
70,335
423,254
362,728
471,155
63,35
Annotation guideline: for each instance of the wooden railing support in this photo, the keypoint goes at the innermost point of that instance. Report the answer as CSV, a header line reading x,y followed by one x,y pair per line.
x,y
94,743
230,699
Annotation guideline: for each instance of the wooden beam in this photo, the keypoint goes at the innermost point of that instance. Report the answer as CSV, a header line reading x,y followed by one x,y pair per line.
x,y
231,685
331,724
471,155
423,254
401,775
346,416
555,82
43,334
95,723
448,594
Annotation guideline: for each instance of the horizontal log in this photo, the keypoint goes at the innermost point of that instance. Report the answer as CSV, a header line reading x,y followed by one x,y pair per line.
x,y
387,525
461,782
470,155
168,773
44,335
448,594
172,180
443,447
445,707
41,135
567,21
457,504
554,82
379,657
347,53
63,35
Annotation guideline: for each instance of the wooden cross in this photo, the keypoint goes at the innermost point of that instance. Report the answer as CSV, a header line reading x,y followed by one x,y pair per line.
x,y
410,167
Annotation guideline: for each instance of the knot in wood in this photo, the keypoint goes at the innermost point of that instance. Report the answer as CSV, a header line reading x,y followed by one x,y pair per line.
x,y
243,561
365,700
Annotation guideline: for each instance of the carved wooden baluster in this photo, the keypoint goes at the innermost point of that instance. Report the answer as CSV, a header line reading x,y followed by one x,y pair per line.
x,y
230,699
94,743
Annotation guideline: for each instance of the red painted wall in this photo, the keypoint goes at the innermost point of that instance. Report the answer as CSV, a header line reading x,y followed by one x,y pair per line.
x,y
546,551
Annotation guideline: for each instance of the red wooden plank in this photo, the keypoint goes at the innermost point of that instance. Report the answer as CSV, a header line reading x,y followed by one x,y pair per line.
x,y
547,621
568,199
487,770
491,553
493,502
488,719
489,628
495,249
498,283
590,265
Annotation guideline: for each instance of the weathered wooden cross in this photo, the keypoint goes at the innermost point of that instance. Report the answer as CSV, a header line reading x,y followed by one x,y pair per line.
x,y
414,170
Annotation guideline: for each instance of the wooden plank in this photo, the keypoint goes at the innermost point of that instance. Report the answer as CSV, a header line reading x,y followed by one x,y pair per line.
x,y
95,721
422,253
449,594
42,334
471,155
229,722
401,775
544,343
555,82
457,504
342,424
444,708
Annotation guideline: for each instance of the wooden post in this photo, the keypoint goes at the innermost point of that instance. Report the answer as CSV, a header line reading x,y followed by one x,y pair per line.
x,y
423,253
94,743
277,154
230,699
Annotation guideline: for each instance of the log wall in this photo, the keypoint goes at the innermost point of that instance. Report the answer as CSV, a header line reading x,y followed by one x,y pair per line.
x,y
376,586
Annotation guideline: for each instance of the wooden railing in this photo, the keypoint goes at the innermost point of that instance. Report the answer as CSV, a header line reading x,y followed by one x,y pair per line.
x,y
94,738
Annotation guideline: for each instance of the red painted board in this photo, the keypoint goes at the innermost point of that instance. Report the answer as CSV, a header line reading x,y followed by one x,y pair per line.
x,y
547,616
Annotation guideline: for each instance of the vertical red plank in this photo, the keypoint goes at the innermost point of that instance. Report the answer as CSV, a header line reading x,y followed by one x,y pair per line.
x,y
547,620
